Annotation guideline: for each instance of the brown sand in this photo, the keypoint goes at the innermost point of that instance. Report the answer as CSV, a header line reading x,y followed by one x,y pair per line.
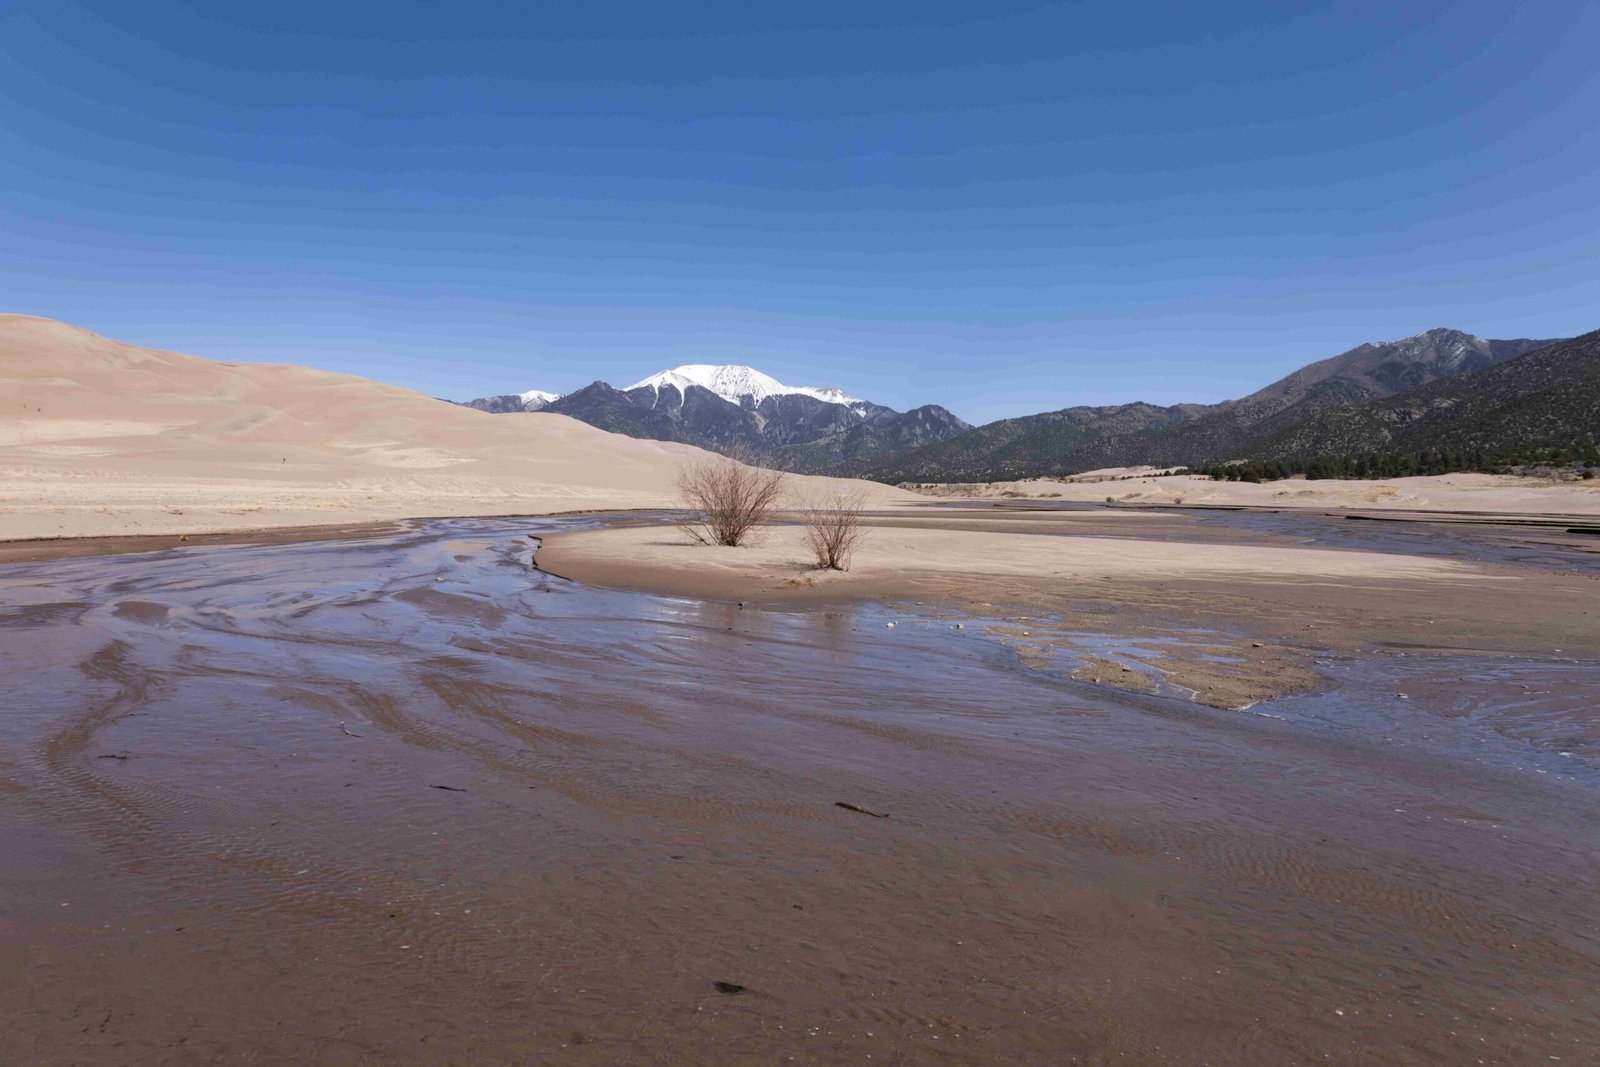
x,y
99,438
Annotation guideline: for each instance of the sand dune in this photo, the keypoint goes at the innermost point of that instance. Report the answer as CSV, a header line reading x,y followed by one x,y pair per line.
x,y
99,438
103,438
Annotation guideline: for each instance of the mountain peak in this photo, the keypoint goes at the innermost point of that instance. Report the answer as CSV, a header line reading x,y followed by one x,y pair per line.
x,y
537,399
733,382
1433,336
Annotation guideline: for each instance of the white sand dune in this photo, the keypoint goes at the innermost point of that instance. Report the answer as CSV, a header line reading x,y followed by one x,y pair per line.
x,y
103,438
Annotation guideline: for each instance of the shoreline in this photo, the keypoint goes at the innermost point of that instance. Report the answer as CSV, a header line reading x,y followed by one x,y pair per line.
x,y
1237,615
41,549
35,549
1493,518
1274,627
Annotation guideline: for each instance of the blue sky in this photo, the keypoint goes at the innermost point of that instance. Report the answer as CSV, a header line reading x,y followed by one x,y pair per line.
x,y
1003,208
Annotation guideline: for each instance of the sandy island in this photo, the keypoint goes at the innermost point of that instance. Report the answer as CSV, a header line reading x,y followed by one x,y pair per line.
x,y
1268,608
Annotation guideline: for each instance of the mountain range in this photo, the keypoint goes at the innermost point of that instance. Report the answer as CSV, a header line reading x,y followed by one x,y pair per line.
x,y
1549,397
1073,440
532,400
1441,388
727,408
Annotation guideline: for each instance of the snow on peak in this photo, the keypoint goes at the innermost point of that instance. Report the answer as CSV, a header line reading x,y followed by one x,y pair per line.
x,y
534,399
733,382
1455,339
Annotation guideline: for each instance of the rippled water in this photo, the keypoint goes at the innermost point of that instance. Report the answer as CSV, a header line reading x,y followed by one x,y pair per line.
x,y
408,799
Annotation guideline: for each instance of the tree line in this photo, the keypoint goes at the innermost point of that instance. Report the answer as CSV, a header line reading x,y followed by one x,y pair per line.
x,y
1583,455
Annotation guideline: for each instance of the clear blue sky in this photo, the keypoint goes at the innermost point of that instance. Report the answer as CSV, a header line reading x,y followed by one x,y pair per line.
x,y
1004,208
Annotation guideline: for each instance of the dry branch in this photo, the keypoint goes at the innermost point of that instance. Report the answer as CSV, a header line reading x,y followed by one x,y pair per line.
x,y
847,806
833,528
731,497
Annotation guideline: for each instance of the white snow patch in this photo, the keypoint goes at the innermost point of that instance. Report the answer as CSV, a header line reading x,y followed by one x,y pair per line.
x,y
534,399
733,382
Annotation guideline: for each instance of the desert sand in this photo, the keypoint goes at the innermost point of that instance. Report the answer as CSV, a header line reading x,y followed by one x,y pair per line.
x,y
99,438
1497,494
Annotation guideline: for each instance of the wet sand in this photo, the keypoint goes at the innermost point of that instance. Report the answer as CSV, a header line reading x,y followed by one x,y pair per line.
x,y
1242,605
406,799
44,548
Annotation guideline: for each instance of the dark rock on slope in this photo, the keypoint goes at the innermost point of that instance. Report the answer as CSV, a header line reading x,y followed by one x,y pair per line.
x,y
739,409
1546,398
1080,439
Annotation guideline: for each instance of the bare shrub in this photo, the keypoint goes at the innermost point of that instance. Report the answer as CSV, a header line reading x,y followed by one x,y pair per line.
x,y
833,528
731,496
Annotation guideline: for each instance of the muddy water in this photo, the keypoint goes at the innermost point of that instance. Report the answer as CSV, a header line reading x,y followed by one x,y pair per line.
x,y
408,800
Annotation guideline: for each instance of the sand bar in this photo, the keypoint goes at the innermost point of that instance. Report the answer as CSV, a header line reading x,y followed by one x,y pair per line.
x,y
1272,606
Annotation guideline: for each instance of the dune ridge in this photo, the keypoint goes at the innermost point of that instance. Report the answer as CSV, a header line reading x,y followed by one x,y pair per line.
x,y
101,438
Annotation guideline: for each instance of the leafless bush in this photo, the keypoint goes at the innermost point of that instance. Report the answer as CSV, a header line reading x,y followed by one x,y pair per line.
x,y
731,496
833,528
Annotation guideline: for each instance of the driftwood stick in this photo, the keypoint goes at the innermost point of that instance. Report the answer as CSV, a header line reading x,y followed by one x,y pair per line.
x,y
847,806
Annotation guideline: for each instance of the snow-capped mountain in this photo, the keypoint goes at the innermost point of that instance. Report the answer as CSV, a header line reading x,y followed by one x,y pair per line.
x,y
509,403
537,399
728,407
734,383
